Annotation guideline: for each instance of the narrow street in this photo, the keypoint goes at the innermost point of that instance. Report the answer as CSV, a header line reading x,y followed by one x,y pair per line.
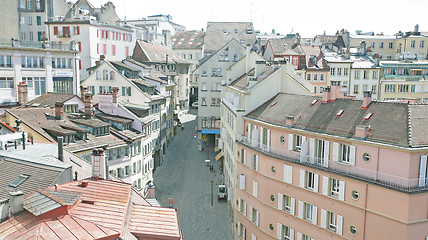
x,y
185,177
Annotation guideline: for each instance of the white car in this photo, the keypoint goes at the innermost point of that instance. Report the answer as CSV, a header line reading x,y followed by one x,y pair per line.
x,y
195,105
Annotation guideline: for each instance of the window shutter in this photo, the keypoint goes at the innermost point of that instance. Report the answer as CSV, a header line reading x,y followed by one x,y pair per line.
x,y
245,209
242,181
300,209
239,228
302,178
293,206
255,188
55,30
251,213
268,139
312,150
299,236
314,215
257,162
249,130
325,185
423,171
335,152
326,153
290,142
316,182
323,218
239,204
339,222
280,200
243,232
291,234
304,152
279,231
288,174
257,218
245,156
123,91
253,237
352,155
252,161
261,135
342,190
78,30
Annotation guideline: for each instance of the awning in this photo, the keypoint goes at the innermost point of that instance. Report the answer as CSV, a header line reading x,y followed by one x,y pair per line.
x,y
216,149
211,131
218,156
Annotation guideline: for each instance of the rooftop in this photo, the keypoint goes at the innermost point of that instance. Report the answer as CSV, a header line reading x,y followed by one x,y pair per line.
x,y
157,53
49,99
188,40
219,33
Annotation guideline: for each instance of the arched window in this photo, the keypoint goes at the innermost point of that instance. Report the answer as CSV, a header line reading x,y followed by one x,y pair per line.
x,y
105,74
112,75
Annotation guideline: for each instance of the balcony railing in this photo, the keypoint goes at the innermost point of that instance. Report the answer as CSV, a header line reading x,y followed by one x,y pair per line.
x,y
37,44
384,179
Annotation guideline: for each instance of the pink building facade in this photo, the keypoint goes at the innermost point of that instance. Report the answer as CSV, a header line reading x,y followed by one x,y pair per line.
x,y
330,168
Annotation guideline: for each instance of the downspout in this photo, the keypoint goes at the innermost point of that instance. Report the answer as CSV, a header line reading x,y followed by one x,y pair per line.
x,y
365,212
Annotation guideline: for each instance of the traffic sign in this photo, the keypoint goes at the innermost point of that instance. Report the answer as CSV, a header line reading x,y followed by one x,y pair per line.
x,y
203,138
170,201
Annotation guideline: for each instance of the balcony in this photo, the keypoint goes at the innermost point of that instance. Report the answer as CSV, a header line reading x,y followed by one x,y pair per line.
x,y
383,179
37,44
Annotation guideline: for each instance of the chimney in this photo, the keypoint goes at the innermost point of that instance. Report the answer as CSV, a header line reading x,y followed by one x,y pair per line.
x,y
362,49
99,169
59,110
60,149
115,91
334,91
102,57
22,93
88,105
16,200
260,68
83,91
361,132
377,59
326,95
416,28
289,121
367,99
4,206
151,192
247,58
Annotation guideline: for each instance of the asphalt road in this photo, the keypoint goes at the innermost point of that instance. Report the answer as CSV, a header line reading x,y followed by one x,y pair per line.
x,y
185,177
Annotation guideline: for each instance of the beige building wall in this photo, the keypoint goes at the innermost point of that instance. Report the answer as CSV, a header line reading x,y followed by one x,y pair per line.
x,y
9,20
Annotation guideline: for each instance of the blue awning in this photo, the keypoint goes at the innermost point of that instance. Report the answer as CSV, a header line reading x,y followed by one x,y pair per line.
x,y
211,131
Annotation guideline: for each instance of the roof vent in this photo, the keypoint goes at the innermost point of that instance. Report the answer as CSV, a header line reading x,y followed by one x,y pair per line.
x,y
314,101
340,112
273,104
368,116
88,201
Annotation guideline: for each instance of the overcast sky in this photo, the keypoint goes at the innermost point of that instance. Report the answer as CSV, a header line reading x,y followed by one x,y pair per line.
x,y
307,17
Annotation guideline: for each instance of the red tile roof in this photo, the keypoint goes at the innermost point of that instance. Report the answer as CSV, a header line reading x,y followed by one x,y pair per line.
x,y
106,209
7,126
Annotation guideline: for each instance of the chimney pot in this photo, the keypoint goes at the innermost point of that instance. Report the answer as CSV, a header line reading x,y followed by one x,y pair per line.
x,y
102,57
99,168
16,200
22,93
289,121
325,95
115,91
88,105
59,110
361,132
367,99
83,91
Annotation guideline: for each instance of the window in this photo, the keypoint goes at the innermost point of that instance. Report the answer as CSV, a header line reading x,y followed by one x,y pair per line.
x,y
332,70
28,4
344,153
357,74
204,101
311,180
365,87
308,77
381,45
308,212
366,74
243,156
6,82
31,36
241,230
254,162
105,74
315,77
322,77
126,91
297,141
113,50
241,181
215,101
30,20
339,71
353,230
28,81
216,72
421,44
403,88
286,203
104,49
39,20
22,4
356,89
412,43
38,4
6,61
374,74
355,194
345,72
255,189
112,76
204,86
374,89
285,233
391,44
254,217
389,88
204,72
321,149
216,87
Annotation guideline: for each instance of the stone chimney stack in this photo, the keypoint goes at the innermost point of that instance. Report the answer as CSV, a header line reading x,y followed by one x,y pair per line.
x,y
102,58
334,90
289,121
16,200
416,28
60,148
367,99
361,132
325,95
22,93
115,91
83,91
260,68
4,209
99,167
247,58
88,105
59,110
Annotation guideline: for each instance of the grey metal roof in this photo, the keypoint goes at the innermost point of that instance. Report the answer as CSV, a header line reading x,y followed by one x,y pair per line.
x,y
43,201
219,33
399,124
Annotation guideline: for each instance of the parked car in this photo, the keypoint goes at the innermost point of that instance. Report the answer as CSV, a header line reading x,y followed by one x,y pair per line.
x,y
195,105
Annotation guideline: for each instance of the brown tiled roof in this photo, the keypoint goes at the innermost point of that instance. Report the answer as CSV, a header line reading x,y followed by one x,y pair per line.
x,y
155,53
49,99
314,51
279,46
188,40
389,122
220,33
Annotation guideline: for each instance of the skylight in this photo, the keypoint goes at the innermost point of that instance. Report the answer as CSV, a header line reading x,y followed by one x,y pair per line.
x,y
340,112
314,101
19,181
273,104
368,116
